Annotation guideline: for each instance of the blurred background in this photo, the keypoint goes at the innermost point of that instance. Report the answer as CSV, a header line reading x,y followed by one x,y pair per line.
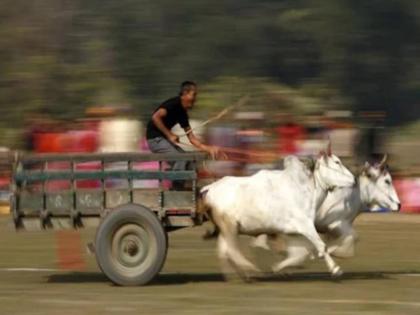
x,y
85,76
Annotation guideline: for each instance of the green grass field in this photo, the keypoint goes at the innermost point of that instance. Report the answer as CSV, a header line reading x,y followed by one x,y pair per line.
x,y
383,278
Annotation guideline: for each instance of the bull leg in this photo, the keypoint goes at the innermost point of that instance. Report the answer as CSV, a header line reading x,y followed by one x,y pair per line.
x,y
230,247
237,257
343,247
340,241
308,230
223,253
297,252
261,241
278,244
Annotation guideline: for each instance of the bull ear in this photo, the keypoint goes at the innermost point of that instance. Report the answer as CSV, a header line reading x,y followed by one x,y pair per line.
x,y
322,153
365,168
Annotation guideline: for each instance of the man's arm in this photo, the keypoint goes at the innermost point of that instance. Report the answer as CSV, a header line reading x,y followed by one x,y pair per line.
x,y
212,150
157,120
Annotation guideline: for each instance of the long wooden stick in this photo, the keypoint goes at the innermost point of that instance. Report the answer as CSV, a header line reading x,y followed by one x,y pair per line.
x,y
239,103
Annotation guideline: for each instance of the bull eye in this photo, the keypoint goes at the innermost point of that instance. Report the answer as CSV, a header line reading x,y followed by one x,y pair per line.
x,y
388,182
337,162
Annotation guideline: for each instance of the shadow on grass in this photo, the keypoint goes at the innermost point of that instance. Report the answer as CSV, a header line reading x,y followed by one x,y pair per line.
x,y
183,278
77,277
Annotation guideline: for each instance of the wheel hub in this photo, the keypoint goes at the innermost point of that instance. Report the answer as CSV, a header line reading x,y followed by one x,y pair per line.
x,y
130,246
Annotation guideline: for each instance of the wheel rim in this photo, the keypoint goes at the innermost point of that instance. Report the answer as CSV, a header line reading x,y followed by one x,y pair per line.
x,y
133,248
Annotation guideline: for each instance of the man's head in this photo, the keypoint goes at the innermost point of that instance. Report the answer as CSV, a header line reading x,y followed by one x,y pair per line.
x,y
188,94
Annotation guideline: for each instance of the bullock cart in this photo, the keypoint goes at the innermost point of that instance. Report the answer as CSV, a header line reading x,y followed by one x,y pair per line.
x,y
131,205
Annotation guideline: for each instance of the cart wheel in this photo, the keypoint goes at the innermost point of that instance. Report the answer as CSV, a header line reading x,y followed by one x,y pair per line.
x,y
131,245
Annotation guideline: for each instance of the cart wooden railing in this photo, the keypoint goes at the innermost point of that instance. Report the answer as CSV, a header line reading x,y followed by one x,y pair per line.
x,y
37,203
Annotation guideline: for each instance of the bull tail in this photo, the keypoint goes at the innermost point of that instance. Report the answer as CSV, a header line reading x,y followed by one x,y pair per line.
x,y
206,210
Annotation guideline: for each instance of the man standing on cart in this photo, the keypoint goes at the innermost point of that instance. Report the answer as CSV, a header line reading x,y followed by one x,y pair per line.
x,y
171,112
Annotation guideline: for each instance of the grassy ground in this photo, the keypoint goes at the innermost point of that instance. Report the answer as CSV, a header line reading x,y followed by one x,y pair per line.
x,y
384,278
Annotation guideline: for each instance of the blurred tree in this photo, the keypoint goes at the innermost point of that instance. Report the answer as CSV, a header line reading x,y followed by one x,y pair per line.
x,y
60,56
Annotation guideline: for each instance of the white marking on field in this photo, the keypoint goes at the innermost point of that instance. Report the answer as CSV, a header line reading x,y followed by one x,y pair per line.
x,y
29,269
130,303
120,309
408,274
71,302
352,301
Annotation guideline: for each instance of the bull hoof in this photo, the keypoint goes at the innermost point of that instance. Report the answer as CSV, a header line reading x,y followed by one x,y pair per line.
x,y
275,269
248,278
232,278
279,270
240,277
337,272
245,273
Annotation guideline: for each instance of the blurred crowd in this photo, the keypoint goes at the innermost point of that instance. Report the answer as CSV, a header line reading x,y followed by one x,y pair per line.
x,y
261,139
103,129
251,140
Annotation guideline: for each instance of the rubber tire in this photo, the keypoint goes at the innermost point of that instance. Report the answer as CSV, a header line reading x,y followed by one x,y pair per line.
x,y
126,215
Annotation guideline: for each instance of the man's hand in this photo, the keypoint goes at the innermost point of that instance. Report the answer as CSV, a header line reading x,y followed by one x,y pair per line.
x,y
215,152
173,138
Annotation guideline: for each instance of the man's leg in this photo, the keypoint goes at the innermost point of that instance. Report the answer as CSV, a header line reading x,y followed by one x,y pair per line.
x,y
162,145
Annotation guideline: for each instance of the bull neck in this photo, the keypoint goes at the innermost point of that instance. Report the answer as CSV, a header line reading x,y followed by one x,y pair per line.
x,y
320,191
362,192
320,195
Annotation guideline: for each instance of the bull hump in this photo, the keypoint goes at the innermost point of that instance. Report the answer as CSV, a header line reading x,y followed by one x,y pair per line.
x,y
290,160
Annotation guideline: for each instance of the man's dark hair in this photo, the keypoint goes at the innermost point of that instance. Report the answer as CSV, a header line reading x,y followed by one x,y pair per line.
x,y
187,86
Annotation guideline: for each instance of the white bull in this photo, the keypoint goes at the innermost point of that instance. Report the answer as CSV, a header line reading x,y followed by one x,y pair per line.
x,y
273,202
336,215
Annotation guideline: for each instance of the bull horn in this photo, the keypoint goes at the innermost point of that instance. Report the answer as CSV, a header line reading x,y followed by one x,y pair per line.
x,y
383,162
329,147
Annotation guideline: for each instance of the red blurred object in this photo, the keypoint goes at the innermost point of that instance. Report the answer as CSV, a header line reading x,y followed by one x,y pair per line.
x,y
69,250
80,141
89,166
408,190
289,134
48,142
4,183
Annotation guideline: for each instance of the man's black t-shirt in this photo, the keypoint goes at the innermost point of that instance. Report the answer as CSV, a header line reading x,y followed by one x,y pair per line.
x,y
176,114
